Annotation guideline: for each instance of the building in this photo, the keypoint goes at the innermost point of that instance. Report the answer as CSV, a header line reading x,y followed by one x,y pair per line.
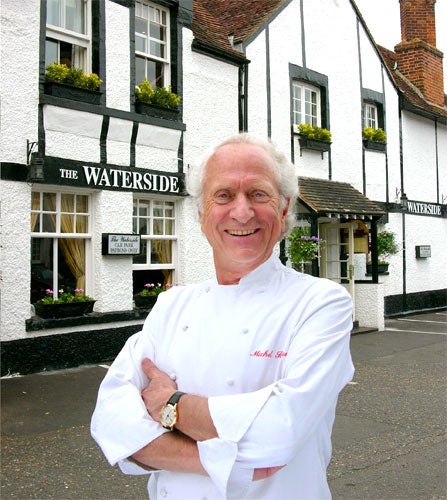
x,y
93,182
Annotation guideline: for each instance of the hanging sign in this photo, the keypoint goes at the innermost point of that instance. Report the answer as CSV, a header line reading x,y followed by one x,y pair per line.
x,y
121,244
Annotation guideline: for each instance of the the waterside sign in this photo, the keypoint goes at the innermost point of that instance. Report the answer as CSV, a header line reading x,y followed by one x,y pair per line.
x,y
423,208
74,173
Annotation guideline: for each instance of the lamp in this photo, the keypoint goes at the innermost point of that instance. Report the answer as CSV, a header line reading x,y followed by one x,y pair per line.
x,y
401,199
35,163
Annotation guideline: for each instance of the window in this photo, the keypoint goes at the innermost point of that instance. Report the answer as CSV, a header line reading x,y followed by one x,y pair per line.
x,y
155,220
60,239
68,38
152,44
370,115
306,106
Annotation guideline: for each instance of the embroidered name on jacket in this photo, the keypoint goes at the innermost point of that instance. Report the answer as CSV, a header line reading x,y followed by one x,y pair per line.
x,y
268,354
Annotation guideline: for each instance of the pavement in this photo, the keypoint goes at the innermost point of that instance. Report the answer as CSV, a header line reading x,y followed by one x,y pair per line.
x,y
389,436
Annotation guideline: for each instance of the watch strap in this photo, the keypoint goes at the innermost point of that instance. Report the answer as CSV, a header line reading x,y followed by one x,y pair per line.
x,y
174,399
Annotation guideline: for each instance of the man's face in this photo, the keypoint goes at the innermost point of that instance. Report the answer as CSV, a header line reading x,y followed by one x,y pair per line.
x,y
242,216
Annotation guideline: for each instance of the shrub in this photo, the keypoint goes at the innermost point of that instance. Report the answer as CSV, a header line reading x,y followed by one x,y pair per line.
x,y
61,73
163,96
314,132
374,134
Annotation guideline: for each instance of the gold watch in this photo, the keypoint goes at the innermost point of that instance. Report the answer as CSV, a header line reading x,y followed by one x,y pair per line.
x,y
169,413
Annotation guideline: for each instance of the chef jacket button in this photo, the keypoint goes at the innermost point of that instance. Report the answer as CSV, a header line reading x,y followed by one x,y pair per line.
x,y
173,376
163,492
230,381
185,327
245,330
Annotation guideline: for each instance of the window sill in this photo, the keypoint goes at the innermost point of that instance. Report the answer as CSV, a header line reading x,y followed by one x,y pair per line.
x,y
36,323
374,145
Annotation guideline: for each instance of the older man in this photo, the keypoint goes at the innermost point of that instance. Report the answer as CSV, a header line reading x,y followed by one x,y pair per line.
x,y
230,389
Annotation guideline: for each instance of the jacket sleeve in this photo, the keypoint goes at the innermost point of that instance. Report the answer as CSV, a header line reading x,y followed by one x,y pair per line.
x,y
267,427
120,423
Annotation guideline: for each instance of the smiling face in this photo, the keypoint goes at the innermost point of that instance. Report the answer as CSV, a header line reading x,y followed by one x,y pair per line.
x,y
242,216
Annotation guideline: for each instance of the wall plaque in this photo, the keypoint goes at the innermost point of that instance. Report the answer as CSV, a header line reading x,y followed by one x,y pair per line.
x,y
121,244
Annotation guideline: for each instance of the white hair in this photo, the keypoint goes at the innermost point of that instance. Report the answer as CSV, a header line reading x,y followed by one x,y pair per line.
x,y
284,173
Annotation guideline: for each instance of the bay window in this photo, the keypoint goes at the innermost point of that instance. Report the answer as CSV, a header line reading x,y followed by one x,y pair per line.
x,y
60,242
155,221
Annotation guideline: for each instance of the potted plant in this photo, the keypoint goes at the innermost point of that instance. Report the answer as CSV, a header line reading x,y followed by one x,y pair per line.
x,y
302,248
313,137
374,138
65,305
159,101
148,296
72,83
386,246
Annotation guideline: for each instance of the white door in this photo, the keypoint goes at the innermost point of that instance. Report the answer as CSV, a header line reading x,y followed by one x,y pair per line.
x,y
337,255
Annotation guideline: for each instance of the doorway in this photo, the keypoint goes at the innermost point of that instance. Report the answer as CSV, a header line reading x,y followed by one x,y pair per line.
x,y
337,255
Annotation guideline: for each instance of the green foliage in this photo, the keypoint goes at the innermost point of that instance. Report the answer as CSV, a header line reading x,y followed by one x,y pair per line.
x,y
161,96
386,245
314,132
65,297
61,73
374,134
302,247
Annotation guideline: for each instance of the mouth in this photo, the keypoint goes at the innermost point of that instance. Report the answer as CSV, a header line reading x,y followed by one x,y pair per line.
x,y
245,232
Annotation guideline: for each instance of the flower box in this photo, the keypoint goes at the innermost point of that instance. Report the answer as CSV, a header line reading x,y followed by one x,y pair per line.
x,y
71,92
145,302
374,145
314,144
157,111
64,309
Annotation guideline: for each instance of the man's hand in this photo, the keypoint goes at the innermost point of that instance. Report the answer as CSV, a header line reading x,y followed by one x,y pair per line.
x,y
161,387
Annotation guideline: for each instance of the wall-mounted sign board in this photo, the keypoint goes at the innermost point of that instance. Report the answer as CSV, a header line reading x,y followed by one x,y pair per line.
x,y
121,244
423,251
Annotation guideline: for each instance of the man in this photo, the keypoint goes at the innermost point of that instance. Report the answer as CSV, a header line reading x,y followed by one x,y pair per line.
x,y
230,389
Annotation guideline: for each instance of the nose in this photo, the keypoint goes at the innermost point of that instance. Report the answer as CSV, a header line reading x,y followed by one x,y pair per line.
x,y
242,209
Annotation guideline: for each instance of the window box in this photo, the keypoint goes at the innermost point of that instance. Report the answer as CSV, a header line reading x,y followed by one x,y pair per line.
x,y
64,309
66,91
145,302
315,144
157,111
374,145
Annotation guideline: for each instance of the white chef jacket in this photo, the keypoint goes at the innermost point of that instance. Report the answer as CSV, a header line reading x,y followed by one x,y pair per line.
x,y
271,353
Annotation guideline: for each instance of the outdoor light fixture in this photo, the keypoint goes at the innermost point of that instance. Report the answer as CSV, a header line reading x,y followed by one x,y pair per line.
x,y
401,199
35,163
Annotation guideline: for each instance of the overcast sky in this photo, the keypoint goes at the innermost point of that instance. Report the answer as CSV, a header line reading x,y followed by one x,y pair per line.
x,y
383,20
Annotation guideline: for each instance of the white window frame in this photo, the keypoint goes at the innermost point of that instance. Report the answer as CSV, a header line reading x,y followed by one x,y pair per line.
x,y
82,40
57,234
300,92
370,115
155,10
149,266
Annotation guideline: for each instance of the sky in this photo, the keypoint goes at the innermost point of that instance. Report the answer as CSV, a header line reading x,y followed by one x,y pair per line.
x,y
383,20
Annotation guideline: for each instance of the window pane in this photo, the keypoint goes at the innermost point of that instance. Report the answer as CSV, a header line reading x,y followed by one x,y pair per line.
x,y
81,224
49,223
161,252
157,49
74,15
141,257
41,268
51,51
157,31
49,202
140,69
158,227
81,204
53,12
169,227
67,224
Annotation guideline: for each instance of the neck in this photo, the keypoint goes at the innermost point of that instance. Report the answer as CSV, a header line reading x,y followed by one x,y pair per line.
x,y
232,276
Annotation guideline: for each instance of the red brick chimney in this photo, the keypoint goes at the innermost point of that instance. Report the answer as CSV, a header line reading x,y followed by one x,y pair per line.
x,y
418,58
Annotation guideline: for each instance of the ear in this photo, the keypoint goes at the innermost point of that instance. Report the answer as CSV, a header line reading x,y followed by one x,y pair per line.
x,y
284,213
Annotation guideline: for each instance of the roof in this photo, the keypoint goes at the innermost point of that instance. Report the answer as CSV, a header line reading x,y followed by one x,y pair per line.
x,y
409,91
330,197
215,20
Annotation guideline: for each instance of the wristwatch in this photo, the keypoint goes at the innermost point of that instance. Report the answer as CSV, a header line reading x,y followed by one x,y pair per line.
x,y
169,413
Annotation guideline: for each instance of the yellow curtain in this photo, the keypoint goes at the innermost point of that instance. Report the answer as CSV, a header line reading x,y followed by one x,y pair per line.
x,y
73,248
35,204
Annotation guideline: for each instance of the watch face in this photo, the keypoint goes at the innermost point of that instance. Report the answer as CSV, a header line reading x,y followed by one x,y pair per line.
x,y
168,416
